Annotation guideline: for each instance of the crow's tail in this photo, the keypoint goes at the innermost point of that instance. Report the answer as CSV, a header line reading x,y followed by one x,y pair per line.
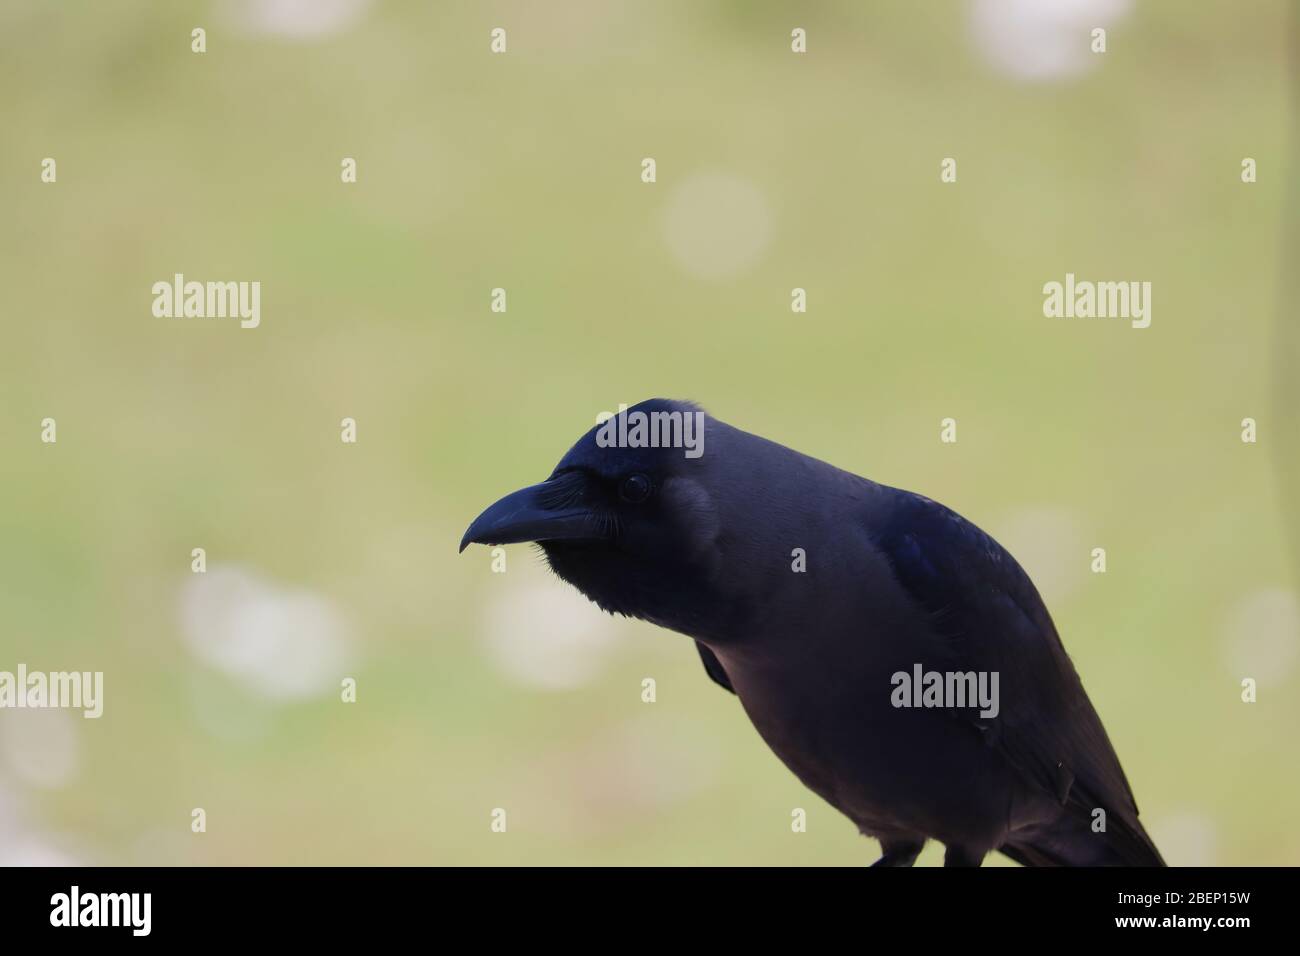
x,y
1072,841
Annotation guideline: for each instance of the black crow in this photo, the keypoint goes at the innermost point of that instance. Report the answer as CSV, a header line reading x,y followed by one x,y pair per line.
x,y
892,654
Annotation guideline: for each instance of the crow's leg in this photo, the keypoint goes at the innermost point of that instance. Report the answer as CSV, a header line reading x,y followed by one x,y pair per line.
x,y
899,852
962,856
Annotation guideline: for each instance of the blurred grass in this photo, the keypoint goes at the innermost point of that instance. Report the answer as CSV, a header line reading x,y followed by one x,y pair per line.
x,y
521,171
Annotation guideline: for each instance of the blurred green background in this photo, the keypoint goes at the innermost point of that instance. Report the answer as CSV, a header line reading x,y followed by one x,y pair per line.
x,y
479,690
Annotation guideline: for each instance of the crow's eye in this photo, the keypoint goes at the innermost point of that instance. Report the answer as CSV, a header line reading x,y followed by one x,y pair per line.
x,y
634,488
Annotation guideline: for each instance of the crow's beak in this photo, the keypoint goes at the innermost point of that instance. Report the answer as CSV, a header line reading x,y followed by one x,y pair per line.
x,y
525,516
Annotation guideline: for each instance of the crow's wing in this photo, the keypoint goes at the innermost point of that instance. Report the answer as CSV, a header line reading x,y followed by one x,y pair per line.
x,y
713,667
991,618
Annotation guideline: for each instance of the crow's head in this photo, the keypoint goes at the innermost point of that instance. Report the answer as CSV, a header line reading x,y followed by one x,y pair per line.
x,y
626,516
